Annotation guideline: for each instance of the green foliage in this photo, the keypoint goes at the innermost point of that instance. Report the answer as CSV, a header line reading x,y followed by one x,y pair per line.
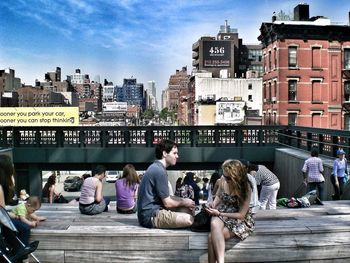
x,y
148,114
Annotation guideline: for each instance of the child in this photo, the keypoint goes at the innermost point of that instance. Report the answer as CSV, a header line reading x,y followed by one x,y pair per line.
x,y
25,212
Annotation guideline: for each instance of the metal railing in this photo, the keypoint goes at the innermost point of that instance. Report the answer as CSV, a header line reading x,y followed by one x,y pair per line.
x,y
99,136
328,141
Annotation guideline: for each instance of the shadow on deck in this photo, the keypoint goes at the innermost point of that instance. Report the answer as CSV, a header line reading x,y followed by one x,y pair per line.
x,y
316,234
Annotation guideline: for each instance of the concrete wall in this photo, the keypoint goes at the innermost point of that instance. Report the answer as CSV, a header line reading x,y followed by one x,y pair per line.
x,y
288,165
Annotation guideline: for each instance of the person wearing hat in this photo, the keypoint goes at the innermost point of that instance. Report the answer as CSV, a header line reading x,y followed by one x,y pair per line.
x,y
339,174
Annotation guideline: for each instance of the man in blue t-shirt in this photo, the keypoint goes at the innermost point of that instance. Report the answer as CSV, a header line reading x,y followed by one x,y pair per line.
x,y
155,207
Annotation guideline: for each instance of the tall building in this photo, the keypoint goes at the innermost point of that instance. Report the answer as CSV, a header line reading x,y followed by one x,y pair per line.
x,y
176,94
306,78
131,92
79,78
225,55
8,86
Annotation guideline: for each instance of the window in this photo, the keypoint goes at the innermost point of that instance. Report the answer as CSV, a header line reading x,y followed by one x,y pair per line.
x,y
270,67
275,57
250,97
347,122
292,90
316,120
346,58
316,91
292,119
316,57
250,86
270,94
347,90
292,57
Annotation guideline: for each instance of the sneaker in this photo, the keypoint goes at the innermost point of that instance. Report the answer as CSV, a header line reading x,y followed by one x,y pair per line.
x,y
24,251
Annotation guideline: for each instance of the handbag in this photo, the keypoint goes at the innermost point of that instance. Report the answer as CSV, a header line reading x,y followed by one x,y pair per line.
x,y
201,222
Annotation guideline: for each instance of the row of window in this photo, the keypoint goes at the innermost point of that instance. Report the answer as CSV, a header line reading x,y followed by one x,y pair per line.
x,y
293,58
293,90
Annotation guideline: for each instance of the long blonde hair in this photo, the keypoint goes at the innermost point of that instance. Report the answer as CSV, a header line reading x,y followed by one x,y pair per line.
x,y
236,179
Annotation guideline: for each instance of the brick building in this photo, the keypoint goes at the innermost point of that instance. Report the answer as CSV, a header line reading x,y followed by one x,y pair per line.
x,y
306,71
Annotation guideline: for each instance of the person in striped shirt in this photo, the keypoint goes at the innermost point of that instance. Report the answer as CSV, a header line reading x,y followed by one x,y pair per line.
x,y
313,174
269,185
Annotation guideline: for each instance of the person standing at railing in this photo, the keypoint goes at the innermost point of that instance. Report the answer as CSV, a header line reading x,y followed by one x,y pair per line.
x,y
313,174
339,175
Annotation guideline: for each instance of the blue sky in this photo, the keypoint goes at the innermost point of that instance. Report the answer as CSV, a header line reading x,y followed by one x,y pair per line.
x,y
117,39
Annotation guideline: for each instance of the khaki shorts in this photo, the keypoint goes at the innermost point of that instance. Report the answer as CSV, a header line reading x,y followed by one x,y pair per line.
x,y
165,219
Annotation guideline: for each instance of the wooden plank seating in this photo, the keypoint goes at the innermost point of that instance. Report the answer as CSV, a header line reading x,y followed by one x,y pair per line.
x,y
315,234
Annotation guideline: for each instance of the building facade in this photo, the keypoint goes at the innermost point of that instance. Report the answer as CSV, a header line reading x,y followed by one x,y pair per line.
x,y
131,92
225,55
306,78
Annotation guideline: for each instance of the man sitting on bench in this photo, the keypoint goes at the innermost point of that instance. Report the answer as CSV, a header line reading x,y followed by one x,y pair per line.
x,y
156,208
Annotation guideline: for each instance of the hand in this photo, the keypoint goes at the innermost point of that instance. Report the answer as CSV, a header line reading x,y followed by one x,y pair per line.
x,y
212,211
190,203
305,181
34,224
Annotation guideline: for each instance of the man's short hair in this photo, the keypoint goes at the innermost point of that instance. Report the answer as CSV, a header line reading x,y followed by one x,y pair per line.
x,y
164,145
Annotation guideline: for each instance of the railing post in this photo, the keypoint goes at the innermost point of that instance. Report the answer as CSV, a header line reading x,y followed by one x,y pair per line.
x,y
37,138
216,137
309,141
335,146
149,138
261,136
126,137
82,137
239,137
298,139
59,138
194,138
16,137
320,143
172,135
104,138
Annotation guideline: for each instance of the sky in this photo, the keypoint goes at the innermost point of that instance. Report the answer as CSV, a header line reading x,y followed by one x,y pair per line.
x,y
117,39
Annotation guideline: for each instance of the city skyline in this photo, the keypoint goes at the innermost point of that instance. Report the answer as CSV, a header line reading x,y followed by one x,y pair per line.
x,y
148,40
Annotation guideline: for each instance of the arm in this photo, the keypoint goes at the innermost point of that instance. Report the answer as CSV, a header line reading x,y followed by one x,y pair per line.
x,y
98,193
37,218
53,194
28,222
2,197
237,215
174,201
335,172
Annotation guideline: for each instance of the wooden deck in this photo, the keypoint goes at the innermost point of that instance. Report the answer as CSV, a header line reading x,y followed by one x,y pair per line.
x,y
316,234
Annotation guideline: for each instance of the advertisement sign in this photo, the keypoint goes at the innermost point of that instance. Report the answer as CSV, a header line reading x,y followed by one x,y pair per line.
x,y
115,106
39,116
230,112
216,54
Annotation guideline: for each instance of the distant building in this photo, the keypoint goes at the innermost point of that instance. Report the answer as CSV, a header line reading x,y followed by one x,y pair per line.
x,y
306,79
207,93
176,93
131,92
226,54
53,82
78,78
8,85
150,96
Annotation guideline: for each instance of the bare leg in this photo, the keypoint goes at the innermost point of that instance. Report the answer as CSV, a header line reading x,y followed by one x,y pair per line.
x,y
211,254
218,239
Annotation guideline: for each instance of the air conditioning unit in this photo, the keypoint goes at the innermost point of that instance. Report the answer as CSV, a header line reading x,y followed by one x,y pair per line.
x,y
265,100
273,99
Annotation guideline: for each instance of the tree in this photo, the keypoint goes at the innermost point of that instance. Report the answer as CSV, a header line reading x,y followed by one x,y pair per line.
x,y
148,114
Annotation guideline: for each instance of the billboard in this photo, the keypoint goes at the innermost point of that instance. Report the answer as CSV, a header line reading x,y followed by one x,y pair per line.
x,y
115,106
230,112
39,116
216,54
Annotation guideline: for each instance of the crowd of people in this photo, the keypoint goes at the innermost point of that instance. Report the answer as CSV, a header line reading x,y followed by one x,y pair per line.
x,y
232,195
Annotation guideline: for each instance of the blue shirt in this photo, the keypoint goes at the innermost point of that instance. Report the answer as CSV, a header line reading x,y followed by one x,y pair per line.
x,y
153,188
340,168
